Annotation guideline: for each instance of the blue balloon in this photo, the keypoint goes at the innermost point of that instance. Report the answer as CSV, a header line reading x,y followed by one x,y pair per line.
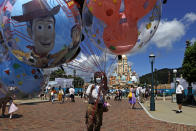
x,y
14,73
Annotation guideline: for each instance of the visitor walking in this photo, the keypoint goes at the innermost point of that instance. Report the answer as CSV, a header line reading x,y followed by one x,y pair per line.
x,y
67,95
72,93
52,94
60,95
12,107
138,93
131,96
179,96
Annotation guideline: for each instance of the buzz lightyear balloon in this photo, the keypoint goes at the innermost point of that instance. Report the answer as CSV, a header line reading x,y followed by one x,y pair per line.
x,y
41,33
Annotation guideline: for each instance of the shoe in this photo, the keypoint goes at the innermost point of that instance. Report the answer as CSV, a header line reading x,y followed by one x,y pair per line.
x,y
177,111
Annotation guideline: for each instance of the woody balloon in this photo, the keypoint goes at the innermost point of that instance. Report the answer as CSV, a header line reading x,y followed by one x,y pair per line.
x,y
41,33
121,26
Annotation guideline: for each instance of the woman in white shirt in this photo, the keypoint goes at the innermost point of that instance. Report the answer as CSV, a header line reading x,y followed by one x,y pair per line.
x,y
179,96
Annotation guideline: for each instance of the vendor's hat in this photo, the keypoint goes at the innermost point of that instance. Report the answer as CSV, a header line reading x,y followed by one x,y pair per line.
x,y
178,81
36,9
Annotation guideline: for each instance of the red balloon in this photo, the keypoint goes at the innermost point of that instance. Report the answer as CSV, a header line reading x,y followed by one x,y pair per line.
x,y
121,38
139,8
121,33
105,10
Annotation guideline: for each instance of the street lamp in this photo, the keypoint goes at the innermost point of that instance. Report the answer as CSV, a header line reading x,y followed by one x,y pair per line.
x,y
174,71
152,102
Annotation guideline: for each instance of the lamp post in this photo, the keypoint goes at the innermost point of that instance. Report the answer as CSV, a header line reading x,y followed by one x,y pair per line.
x,y
174,71
152,101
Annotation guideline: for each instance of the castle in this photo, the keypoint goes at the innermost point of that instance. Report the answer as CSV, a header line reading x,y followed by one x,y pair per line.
x,y
122,75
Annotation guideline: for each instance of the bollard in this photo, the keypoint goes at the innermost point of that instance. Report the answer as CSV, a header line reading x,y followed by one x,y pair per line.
x,y
163,96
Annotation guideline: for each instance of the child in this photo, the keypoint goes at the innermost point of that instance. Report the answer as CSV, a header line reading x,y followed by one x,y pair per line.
x,y
12,107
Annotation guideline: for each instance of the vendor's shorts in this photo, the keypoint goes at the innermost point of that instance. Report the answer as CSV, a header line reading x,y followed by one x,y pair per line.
x,y
179,98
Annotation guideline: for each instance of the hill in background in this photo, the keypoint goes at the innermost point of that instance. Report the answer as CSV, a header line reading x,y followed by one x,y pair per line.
x,y
162,76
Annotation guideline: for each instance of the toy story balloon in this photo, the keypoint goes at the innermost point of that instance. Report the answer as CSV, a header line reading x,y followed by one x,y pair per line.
x,y
41,33
14,73
122,26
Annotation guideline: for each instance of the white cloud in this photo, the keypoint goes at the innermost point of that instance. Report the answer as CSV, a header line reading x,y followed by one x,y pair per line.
x,y
193,40
168,32
190,18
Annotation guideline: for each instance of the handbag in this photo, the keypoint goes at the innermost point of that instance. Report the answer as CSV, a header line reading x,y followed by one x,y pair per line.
x,y
130,95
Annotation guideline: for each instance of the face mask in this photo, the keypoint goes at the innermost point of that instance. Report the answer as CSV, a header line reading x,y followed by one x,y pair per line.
x,y
98,80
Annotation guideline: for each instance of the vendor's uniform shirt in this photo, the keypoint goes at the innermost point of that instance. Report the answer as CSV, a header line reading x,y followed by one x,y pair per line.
x,y
179,89
94,95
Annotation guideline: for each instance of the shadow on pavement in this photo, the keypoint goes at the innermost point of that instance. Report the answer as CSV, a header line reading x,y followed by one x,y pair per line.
x,y
137,108
14,116
29,103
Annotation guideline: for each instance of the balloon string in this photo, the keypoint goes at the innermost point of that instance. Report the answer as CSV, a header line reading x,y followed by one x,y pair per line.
x,y
81,65
91,54
78,67
96,49
112,64
87,62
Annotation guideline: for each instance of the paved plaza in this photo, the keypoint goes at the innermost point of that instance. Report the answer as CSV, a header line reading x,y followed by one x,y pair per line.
x,y
71,117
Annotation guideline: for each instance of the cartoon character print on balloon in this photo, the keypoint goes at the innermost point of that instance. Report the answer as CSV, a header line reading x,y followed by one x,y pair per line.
x,y
121,19
27,79
42,27
17,74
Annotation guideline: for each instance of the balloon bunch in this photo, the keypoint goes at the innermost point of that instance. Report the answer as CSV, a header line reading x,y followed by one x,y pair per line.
x,y
45,34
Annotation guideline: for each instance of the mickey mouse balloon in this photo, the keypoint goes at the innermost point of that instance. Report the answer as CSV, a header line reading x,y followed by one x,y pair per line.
x,y
41,33
122,26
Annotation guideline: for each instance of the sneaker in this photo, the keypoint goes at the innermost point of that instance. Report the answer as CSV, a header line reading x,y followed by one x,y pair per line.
x,y
180,111
177,111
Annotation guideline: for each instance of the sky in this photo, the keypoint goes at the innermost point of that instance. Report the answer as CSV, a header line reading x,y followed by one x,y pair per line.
x,y
178,24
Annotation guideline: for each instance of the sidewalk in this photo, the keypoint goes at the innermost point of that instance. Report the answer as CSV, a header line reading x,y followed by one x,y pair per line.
x,y
166,111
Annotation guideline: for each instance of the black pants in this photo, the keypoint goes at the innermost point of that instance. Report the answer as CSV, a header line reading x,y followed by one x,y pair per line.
x,y
179,98
72,98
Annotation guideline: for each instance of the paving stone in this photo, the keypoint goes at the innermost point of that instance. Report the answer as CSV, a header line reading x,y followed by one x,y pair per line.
x,y
71,117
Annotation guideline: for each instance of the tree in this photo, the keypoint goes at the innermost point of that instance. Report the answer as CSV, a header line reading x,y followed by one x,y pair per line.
x,y
78,82
57,74
189,65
